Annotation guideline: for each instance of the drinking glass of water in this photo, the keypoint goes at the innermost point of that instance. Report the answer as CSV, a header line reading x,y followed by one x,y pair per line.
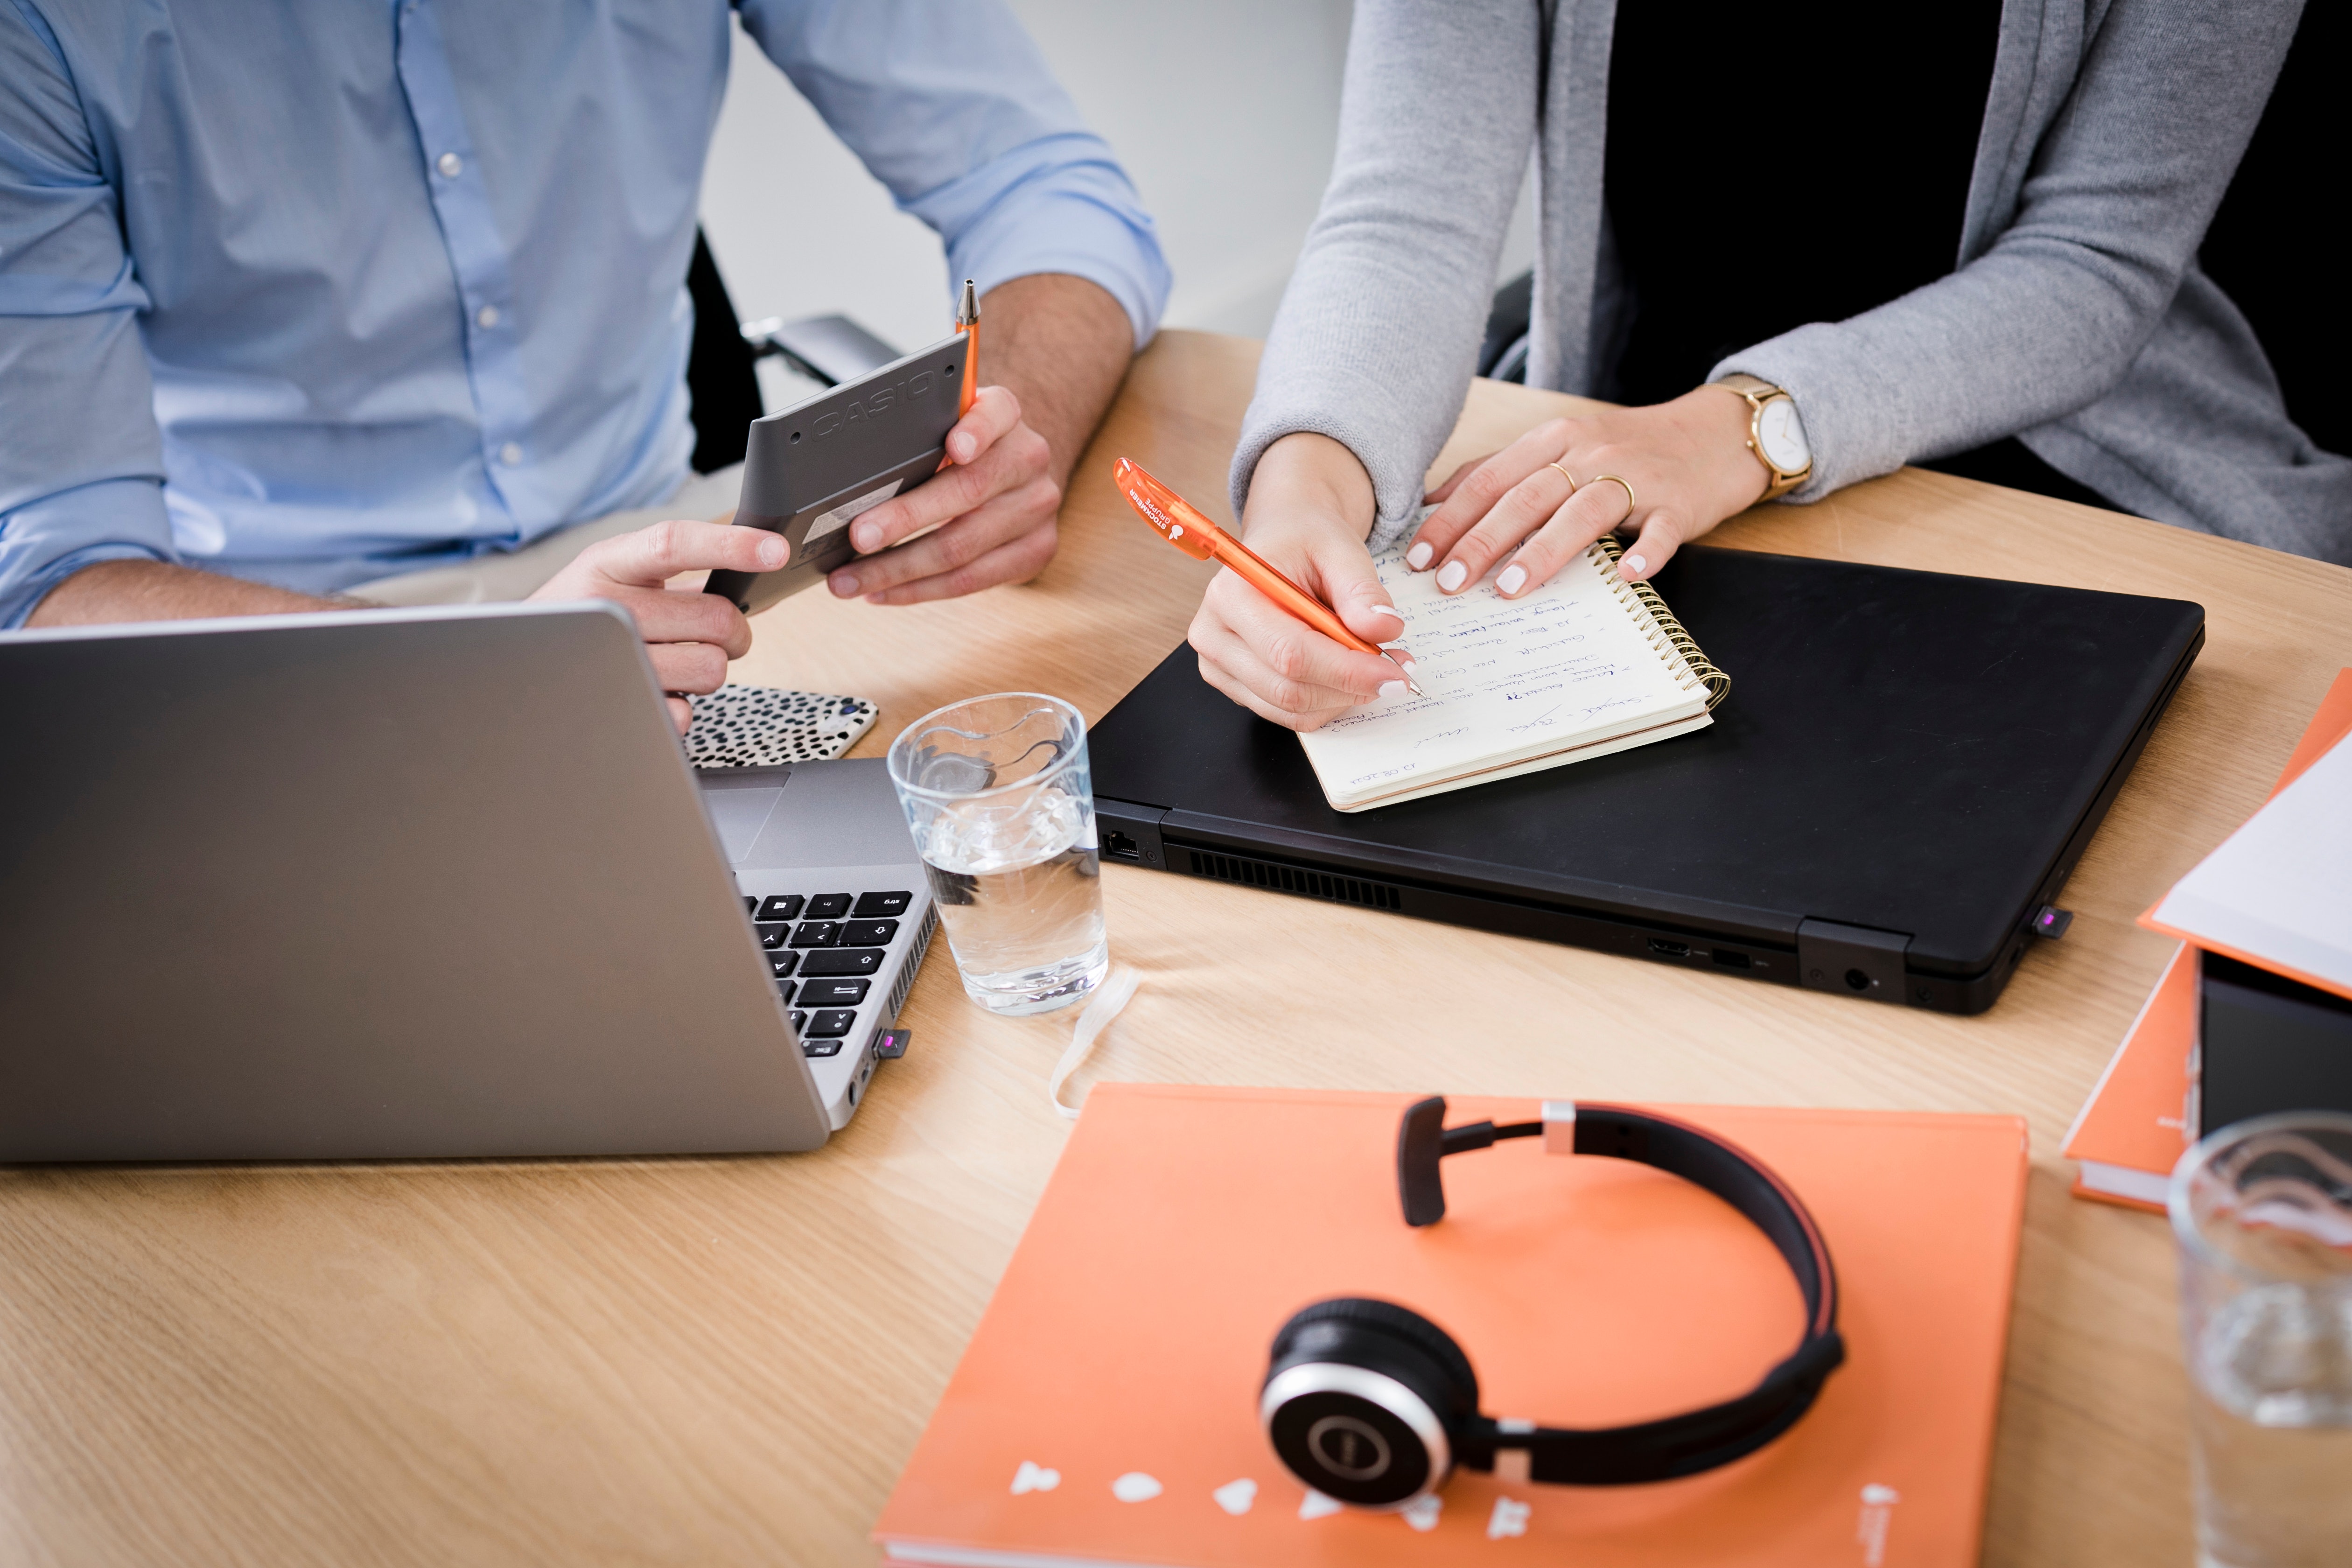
x,y
2262,1213
997,794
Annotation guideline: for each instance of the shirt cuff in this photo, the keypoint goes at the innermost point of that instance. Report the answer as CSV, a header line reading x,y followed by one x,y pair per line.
x,y
47,541
1061,205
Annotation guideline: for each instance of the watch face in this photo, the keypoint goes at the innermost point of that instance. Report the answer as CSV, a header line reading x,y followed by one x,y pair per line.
x,y
1781,435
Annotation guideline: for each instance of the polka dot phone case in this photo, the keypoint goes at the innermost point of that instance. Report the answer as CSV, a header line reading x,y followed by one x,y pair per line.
x,y
760,726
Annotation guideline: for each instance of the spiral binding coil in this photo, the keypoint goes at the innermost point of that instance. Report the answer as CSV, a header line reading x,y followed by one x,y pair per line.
x,y
1664,633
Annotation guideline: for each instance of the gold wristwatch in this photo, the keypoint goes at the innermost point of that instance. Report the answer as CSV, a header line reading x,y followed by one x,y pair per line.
x,y
1775,433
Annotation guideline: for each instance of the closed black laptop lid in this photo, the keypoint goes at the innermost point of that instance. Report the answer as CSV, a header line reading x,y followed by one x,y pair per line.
x,y
1901,750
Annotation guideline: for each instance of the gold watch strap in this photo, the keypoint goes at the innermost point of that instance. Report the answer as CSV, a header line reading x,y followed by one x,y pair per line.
x,y
1755,392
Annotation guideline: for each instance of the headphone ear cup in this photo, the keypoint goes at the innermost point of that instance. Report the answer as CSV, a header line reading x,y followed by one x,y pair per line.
x,y
1403,1324
1366,1401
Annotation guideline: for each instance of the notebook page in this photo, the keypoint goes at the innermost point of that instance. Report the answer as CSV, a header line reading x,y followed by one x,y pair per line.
x,y
1504,681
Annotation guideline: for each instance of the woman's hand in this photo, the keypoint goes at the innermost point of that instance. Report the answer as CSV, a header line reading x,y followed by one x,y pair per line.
x,y
1679,468
1308,513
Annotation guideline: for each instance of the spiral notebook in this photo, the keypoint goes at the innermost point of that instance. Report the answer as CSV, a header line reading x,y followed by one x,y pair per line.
x,y
1586,665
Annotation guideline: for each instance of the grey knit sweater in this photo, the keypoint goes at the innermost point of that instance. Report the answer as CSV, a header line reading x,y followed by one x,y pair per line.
x,y
2075,317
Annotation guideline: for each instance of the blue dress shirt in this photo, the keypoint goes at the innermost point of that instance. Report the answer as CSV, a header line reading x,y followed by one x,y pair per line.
x,y
312,292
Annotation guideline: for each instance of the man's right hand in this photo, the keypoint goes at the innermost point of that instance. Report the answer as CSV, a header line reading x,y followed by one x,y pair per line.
x,y
689,634
1308,512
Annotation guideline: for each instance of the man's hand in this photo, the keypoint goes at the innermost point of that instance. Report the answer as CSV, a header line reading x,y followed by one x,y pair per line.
x,y
1053,348
690,634
998,500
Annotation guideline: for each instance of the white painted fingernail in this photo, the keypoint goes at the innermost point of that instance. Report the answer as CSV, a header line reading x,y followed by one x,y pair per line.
x,y
1418,556
1636,566
1513,579
1452,577
1408,666
1392,688
1387,610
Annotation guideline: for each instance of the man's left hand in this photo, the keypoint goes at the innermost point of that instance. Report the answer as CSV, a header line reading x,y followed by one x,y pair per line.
x,y
997,501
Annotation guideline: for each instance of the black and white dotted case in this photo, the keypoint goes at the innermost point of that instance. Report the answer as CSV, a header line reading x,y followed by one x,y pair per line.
x,y
759,726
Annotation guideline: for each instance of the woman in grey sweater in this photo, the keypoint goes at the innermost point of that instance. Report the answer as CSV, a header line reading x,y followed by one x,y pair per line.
x,y
1802,279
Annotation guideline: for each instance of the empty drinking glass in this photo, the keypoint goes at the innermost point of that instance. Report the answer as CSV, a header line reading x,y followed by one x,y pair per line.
x,y
997,794
2263,1212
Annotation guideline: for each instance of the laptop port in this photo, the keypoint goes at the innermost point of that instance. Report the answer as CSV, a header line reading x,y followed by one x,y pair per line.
x,y
1730,960
1664,949
1119,846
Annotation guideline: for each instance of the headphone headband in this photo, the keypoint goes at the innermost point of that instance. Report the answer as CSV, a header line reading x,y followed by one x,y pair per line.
x,y
1316,1426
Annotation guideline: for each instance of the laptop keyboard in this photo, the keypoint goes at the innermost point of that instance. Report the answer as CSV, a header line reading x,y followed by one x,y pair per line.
x,y
824,950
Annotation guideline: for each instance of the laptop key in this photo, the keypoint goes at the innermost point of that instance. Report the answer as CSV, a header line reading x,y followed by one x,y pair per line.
x,y
833,993
881,906
817,933
772,936
800,1019
782,907
828,905
751,906
782,962
868,933
820,1048
830,961
783,990
832,1023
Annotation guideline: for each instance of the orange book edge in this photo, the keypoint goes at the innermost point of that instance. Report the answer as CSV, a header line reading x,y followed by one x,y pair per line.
x,y
2134,1126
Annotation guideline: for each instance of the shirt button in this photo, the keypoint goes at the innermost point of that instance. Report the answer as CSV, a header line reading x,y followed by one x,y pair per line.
x,y
510,455
487,317
450,165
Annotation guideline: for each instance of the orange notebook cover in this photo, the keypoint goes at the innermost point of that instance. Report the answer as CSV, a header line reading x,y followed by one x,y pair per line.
x,y
2132,1130
1106,1412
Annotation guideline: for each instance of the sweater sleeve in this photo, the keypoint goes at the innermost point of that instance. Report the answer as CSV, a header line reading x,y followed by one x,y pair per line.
x,y
2052,314
1378,332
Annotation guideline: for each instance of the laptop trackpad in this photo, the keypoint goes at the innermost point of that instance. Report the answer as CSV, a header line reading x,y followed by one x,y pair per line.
x,y
739,815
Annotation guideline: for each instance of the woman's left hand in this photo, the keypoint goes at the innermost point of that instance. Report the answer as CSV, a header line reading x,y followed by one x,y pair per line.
x,y
1676,469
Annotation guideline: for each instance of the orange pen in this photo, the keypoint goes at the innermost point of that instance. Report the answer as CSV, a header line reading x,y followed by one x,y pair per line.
x,y
966,326
1182,524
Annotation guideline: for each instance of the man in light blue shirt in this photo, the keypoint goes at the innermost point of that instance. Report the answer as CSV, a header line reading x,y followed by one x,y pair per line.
x,y
294,297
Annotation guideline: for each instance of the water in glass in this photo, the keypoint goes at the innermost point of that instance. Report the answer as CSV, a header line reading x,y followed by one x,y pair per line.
x,y
2263,1213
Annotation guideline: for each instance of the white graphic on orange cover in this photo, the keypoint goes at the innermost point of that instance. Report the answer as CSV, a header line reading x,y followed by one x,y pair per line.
x,y
1315,1505
1509,1518
1235,1497
1422,1512
1135,1486
1877,1514
1032,1477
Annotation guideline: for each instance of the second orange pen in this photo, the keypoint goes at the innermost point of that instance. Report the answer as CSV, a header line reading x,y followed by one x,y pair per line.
x,y
1184,526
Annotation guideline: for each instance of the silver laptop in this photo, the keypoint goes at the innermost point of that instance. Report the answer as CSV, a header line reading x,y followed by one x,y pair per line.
x,y
422,883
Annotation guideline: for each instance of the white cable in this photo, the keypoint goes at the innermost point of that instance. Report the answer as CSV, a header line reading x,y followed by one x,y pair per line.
x,y
1112,995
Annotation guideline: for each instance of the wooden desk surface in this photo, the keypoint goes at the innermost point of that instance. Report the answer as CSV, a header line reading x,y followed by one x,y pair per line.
x,y
727,1361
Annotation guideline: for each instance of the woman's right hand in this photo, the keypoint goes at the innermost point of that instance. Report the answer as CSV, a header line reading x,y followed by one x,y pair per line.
x,y
1308,513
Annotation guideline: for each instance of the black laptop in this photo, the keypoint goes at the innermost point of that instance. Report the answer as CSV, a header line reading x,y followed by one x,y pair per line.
x,y
1907,767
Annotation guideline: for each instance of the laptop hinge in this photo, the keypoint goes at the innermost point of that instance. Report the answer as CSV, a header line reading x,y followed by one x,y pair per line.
x,y
1854,961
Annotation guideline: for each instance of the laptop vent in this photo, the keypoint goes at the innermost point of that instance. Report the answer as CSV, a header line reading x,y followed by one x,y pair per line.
x,y
914,962
1283,878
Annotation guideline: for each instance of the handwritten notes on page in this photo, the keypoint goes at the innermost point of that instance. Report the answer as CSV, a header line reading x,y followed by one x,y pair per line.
x,y
1574,669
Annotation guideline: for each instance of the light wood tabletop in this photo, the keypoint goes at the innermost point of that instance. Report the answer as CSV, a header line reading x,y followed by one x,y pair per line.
x,y
728,1360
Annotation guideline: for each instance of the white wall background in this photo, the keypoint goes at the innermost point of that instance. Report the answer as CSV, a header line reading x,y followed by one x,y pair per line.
x,y
1231,162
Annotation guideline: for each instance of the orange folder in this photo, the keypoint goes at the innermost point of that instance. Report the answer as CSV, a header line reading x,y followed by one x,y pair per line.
x,y
1106,1410
2132,1128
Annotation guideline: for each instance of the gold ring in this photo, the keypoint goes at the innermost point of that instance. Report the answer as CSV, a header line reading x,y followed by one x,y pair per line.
x,y
1573,486
1620,484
